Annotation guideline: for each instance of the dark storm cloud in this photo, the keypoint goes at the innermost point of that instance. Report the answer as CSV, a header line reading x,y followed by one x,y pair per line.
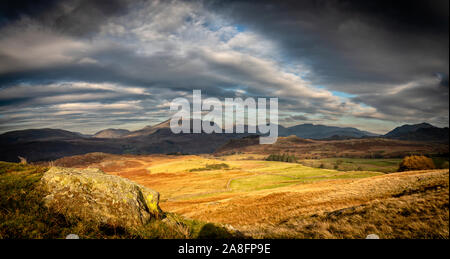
x,y
422,100
364,48
391,57
349,43
74,17
122,66
12,10
442,79
32,96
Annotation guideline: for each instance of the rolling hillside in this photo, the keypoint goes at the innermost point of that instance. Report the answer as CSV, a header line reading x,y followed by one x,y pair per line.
x,y
111,133
310,131
419,132
355,148
267,199
24,136
50,144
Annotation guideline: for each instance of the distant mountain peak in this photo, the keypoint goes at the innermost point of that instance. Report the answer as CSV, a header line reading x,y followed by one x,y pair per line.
x,y
38,135
164,124
424,124
111,133
419,132
409,128
311,131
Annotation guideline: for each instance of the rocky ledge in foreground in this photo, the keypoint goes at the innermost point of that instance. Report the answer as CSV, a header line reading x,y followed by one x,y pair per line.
x,y
93,195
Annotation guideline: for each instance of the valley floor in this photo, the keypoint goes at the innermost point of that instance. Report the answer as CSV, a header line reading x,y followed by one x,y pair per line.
x,y
266,199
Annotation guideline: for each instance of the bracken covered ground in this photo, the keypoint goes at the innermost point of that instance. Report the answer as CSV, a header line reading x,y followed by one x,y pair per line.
x,y
266,199
350,148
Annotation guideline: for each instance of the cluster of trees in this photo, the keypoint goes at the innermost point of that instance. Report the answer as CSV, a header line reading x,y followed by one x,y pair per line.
x,y
211,167
410,163
282,158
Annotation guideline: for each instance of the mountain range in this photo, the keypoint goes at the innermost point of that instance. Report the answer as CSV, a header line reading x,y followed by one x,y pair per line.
x,y
50,144
311,131
111,133
419,132
307,131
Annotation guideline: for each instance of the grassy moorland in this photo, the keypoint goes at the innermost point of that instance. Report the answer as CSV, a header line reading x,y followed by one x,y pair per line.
x,y
318,149
269,199
385,165
24,216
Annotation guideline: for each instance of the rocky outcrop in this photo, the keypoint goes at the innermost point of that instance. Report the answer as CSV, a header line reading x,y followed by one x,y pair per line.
x,y
92,195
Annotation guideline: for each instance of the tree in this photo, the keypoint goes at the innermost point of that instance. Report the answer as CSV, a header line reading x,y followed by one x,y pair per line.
x,y
410,163
282,158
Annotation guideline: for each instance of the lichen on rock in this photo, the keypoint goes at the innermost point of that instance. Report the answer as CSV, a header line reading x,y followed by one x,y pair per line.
x,y
92,195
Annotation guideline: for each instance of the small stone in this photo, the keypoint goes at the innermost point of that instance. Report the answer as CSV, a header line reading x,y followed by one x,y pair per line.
x,y
372,236
72,236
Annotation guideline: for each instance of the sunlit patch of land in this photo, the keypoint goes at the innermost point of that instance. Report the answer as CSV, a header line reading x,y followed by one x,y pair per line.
x,y
276,199
385,165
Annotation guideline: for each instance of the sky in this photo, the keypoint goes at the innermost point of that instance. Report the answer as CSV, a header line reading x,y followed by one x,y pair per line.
x,y
84,65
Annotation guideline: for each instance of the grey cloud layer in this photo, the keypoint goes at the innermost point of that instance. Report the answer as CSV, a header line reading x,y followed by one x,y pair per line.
x,y
141,54
362,47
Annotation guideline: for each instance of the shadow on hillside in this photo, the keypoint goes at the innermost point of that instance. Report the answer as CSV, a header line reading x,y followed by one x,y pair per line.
x,y
210,231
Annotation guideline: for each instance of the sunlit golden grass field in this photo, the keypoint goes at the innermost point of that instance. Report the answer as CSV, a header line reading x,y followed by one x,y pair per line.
x,y
267,199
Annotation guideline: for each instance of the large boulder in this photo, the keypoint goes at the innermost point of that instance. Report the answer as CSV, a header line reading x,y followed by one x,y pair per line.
x,y
92,195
